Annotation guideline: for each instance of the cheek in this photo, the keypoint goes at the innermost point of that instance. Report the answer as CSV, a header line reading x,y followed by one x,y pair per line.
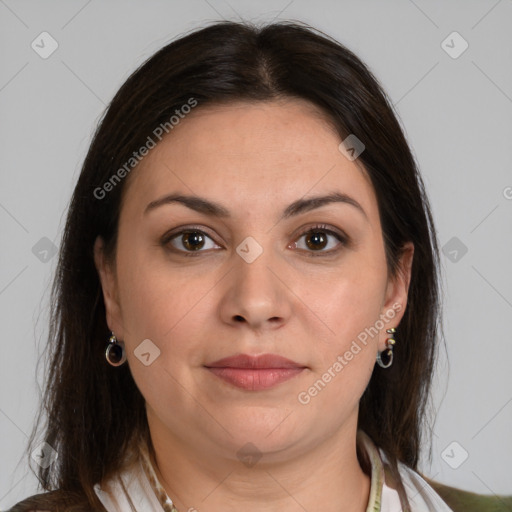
x,y
345,360
169,307
155,296
351,301
351,307
161,304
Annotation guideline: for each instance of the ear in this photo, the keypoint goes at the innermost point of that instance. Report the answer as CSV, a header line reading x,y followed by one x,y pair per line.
x,y
397,290
108,282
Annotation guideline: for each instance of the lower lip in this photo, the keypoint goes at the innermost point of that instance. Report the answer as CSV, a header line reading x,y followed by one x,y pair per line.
x,y
255,379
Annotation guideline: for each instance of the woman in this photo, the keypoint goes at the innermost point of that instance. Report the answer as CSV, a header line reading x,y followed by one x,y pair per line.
x,y
246,307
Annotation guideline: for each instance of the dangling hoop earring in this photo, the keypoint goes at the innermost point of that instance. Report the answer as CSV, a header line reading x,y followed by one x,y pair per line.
x,y
385,358
115,352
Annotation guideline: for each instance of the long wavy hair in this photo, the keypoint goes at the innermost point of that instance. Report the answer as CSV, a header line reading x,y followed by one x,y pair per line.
x,y
94,411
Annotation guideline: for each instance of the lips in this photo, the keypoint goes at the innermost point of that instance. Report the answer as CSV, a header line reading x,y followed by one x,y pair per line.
x,y
255,373
246,361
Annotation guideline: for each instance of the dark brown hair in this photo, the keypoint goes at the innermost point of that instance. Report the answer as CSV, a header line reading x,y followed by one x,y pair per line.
x,y
93,410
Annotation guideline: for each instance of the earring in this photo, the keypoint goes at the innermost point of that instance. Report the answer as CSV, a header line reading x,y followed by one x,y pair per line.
x,y
385,358
115,352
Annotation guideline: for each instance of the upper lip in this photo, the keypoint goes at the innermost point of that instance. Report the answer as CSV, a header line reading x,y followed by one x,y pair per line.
x,y
248,361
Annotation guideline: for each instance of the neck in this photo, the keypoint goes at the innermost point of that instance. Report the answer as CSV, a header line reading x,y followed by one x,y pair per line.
x,y
327,477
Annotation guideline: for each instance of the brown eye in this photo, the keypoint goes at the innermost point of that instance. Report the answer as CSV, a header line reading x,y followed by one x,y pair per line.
x,y
189,241
319,238
316,240
192,240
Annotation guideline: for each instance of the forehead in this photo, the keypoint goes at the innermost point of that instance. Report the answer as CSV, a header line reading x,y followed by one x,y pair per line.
x,y
252,154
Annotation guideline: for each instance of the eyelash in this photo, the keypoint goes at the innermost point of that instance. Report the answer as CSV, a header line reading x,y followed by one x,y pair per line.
x,y
322,228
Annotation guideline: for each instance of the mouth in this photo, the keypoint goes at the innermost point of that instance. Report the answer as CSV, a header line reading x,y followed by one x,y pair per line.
x,y
255,373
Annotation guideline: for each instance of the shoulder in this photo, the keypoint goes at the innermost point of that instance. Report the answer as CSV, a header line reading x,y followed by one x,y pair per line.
x,y
54,501
438,496
466,501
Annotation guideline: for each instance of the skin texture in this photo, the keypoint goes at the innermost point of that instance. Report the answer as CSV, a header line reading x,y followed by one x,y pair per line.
x,y
254,159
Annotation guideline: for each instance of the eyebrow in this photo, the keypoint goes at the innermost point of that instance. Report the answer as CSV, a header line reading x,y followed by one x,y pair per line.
x,y
211,208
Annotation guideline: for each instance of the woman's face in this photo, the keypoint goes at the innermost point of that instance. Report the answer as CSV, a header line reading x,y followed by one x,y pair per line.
x,y
249,279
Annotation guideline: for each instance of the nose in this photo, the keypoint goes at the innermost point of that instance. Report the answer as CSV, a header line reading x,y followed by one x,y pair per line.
x,y
256,295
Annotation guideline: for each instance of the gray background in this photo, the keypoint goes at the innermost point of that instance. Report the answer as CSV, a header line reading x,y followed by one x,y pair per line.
x,y
457,113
